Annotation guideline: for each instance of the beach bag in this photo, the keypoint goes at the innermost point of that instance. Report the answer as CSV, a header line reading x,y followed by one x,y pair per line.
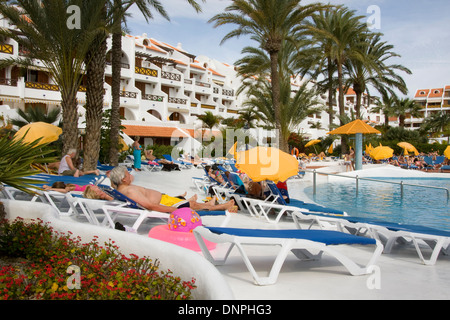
x,y
184,220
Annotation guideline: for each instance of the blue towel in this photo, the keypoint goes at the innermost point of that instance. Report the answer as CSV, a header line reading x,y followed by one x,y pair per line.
x,y
327,237
49,179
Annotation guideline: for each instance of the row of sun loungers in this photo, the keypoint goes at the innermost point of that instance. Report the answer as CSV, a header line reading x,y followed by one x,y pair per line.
x,y
334,229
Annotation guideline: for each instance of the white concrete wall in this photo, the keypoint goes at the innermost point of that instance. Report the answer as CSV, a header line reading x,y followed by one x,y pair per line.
x,y
184,263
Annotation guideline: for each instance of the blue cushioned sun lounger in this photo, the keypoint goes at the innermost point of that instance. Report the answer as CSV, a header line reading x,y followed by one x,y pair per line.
x,y
132,207
300,242
387,232
262,208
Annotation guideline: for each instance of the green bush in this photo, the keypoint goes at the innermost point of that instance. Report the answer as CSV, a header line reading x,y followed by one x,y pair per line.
x,y
105,273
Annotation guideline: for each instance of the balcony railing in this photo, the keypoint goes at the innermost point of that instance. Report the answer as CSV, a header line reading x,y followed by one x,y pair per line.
x,y
41,86
170,76
146,71
128,94
123,65
6,48
227,92
203,84
177,100
8,82
152,97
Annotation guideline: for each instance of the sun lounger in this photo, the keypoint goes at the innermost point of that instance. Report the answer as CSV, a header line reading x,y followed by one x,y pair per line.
x,y
388,233
181,163
132,208
277,203
300,242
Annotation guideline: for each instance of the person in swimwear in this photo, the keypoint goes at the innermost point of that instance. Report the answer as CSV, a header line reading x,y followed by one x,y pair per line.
x,y
90,191
60,186
155,200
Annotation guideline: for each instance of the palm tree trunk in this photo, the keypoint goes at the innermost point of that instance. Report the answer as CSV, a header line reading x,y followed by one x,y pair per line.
x,y
344,147
115,106
275,77
331,94
70,120
94,102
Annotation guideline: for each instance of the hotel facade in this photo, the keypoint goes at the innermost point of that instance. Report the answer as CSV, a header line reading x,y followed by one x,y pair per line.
x,y
163,89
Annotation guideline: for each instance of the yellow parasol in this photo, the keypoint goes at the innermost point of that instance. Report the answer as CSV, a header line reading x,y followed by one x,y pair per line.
x,y
447,152
38,130
358,128
369,148
124,147
233,150
381,152
408,147
267,163
330,149
312,142
354,127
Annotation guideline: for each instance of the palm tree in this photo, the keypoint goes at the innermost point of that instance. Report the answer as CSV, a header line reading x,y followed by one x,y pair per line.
x,y
438,122
247,117
95,70
386,107
404,107
294,108
340,32
269,23
371,68
119,14
16,159
36,115
43,35
209,120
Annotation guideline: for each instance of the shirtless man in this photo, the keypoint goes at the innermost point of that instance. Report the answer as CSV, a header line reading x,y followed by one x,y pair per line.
x,y
151,199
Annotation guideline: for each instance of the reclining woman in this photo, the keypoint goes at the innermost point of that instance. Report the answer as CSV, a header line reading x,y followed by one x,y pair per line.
x,y
155,200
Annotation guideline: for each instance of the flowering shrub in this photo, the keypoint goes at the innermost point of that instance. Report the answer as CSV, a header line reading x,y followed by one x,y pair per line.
x,y
48,259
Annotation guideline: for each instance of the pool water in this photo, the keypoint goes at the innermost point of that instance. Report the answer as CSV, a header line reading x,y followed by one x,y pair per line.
x,y
419,206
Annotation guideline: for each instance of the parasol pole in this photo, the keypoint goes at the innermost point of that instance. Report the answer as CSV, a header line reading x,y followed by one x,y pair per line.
x,y
358,151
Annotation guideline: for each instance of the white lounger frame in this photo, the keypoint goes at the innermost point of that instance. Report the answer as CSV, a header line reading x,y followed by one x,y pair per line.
x,y
300,247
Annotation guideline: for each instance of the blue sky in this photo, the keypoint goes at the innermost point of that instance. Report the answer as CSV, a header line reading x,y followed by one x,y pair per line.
x,y
418,29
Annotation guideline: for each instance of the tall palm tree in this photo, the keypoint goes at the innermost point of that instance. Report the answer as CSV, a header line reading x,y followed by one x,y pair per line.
x,y
371,68
119,13
269,23
248,117
404,107
340,30
43,35
209,120
294,108
386,107
95,70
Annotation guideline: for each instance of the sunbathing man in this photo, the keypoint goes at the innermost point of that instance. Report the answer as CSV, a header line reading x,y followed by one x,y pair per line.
x,y
155,200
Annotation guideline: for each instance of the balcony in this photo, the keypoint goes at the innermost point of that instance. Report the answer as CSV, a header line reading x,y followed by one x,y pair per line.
x,y
128,94
146,71
6,48
152,97
203,84
170,76
123,65
41,86
177,100
8,82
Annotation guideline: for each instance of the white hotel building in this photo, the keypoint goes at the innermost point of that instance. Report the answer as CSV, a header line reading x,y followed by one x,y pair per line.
x,y
163,89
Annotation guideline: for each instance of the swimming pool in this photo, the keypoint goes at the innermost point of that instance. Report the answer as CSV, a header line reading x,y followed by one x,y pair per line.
x,y
420,206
